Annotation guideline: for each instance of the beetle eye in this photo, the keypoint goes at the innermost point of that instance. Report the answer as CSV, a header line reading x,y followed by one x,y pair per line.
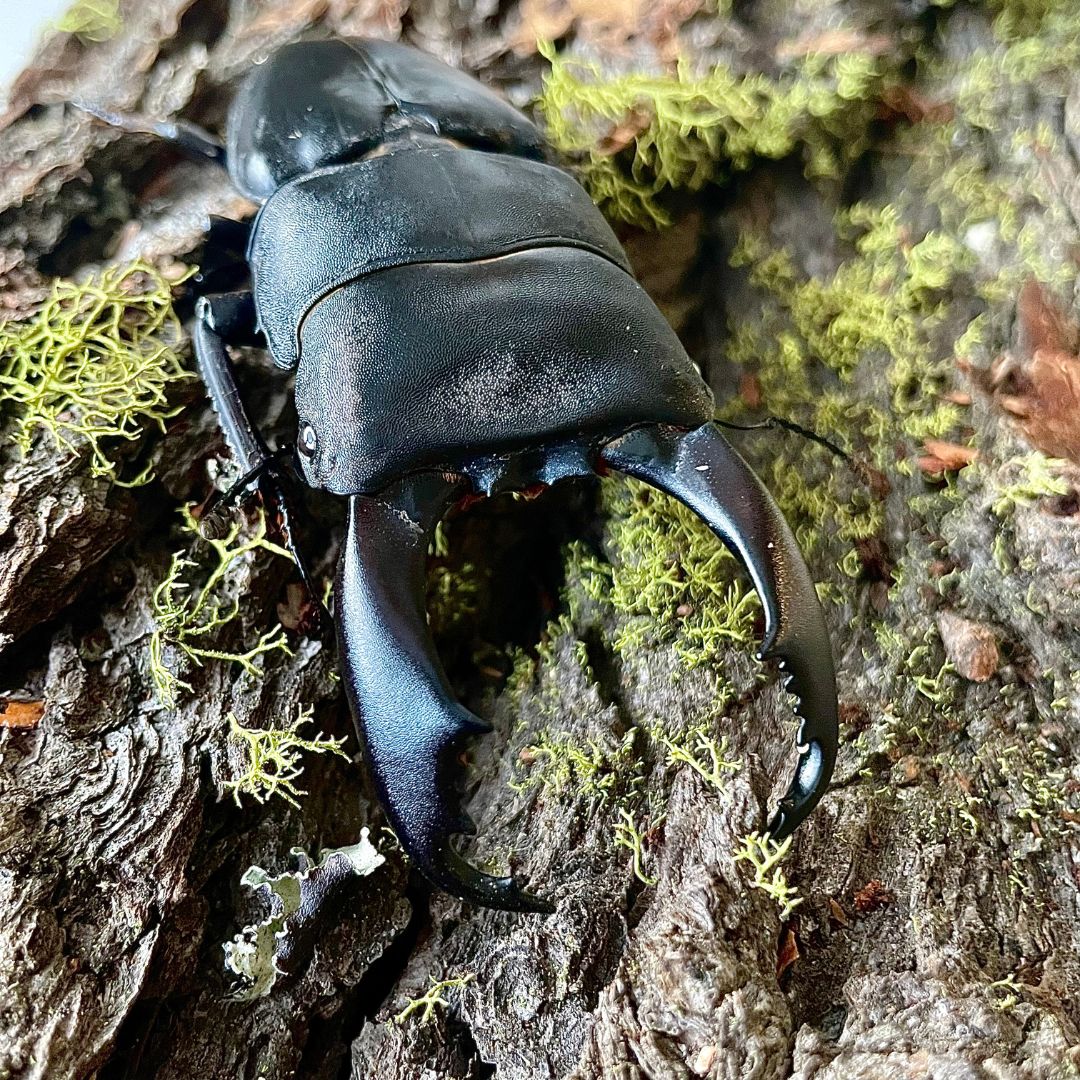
x,y
308,440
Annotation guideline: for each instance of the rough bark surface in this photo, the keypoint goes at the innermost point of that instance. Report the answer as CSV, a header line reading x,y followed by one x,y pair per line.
x,y
940,929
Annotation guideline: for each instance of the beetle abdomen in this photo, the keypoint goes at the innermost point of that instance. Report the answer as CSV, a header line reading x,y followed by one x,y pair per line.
x,y
422,205
317,103
452,364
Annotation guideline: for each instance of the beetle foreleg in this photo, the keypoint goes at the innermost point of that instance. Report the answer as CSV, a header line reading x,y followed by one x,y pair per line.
x,y
409,724
700,469
231,317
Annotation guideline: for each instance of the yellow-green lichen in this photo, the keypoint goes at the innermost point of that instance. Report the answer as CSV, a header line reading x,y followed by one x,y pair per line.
x,y
764,856
433,998
95,365
706,755
689,127
92,20
1006,993
188,621
628,835
274,758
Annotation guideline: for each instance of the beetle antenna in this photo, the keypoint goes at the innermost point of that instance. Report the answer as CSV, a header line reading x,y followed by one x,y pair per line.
x,y
790,425
190,138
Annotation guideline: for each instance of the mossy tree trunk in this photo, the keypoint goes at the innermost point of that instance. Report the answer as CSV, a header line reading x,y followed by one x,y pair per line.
x,y
886,252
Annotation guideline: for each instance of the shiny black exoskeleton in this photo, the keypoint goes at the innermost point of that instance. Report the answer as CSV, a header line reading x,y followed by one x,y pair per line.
x,y
462,321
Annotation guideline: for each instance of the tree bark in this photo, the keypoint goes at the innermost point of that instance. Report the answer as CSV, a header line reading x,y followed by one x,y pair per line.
x,y
939,932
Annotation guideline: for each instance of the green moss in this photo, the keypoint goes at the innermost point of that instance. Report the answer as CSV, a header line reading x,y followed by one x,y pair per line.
x,y
1023,480
273,758
189,621
453,596
608,773
92,20
671,577
885,301
691,128
817,351
1049,23
95,365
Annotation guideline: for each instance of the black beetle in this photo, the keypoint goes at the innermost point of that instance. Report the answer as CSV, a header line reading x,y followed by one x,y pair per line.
x,y
462,321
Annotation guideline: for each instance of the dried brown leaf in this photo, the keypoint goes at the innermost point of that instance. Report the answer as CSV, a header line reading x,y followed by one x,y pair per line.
x,y
1041,324
838,914
606,24
872,896
903,101
971,646
1045,401
942,457
750,390
788,953
625,132
21,715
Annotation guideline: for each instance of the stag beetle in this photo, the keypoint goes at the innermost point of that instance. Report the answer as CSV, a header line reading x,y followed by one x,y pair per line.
x,y
462,321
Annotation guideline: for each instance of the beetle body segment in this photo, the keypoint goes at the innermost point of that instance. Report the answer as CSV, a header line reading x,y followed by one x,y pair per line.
x,y
472,366
319,103
414,204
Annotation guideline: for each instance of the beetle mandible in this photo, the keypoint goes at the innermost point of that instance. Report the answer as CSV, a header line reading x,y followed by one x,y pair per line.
x,y
462,321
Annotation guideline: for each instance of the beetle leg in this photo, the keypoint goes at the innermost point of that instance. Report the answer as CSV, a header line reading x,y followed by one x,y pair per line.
x,y
231,317
406,717
701,470
185,136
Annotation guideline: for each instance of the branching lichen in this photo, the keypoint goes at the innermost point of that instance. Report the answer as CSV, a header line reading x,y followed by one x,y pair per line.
x,y
274,758
686,129
95,365
628,835
764,855
703,753
189,622
433,998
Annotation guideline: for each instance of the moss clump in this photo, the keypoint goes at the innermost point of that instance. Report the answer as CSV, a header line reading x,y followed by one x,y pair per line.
x,y
188,622
273,758
1024,480
816,354
600,774
92,20
689,128
95,365
1053,24
672,577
